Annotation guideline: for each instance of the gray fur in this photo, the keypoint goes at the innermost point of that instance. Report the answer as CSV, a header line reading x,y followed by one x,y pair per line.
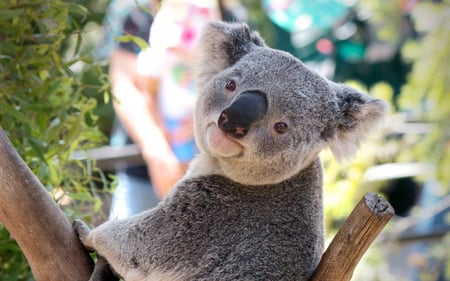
x,y
248,208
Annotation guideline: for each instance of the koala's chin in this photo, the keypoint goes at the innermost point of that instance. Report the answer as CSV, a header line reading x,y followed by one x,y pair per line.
x,y
220,145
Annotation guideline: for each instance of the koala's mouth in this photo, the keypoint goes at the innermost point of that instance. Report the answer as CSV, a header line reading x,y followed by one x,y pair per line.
x,y
220,144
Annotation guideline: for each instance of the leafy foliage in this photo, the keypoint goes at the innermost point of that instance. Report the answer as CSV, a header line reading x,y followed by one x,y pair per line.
x,y
428,88
423,98
258,20
44,109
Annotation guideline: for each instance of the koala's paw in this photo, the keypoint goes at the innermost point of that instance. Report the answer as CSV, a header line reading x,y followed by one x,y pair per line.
x,y
82,231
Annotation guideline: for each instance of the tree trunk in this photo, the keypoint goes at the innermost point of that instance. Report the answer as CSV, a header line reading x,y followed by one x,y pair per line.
x,y
37,224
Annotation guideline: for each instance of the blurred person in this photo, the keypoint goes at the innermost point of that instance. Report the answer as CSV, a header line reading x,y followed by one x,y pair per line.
x,y
154,94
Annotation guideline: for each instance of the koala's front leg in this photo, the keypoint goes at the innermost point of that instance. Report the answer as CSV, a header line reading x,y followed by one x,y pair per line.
x,y
102,269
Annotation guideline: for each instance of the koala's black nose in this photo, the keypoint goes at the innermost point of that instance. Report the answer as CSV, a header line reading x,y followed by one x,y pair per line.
x,y
246,109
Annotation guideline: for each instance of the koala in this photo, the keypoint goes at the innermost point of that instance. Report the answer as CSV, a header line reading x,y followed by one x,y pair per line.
x,y
250,204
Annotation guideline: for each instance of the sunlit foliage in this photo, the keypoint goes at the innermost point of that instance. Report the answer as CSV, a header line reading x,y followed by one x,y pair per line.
x,y
44,111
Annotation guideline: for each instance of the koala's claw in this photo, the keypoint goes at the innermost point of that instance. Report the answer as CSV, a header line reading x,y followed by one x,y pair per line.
x,y
82,231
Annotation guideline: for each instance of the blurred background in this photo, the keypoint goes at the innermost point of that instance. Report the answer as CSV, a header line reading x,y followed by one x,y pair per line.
x,y
56,104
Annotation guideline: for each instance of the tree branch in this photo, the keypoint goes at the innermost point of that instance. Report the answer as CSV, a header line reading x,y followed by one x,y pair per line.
x,y
37,224
353,239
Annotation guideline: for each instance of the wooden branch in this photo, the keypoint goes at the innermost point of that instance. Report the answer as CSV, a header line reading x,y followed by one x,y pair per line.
x,y
353,239
37,224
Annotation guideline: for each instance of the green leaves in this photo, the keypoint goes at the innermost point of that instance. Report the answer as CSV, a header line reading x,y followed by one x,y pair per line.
x,y
44,109
428,88
130,38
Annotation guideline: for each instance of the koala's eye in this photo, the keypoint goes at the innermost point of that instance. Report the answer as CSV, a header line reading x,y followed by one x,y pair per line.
x,y
231,85
280,127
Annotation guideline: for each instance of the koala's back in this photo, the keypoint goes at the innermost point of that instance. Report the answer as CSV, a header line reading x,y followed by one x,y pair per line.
x,y
215,229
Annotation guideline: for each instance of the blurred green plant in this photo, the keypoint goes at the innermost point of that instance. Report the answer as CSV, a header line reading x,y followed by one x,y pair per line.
x,y
427,93
428,88
45,110
258,20
424,98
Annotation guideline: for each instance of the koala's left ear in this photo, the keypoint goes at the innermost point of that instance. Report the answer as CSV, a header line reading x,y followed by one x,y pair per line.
x,y
222,45
358,114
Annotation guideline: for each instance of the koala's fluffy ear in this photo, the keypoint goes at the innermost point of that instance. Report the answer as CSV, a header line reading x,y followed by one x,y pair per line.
x,y
223,44
358,114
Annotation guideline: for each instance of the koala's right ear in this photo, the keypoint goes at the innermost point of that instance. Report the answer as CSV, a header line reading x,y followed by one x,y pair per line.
x,y
222,45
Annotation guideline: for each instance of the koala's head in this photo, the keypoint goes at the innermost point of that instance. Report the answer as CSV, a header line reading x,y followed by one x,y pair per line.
x,y
264,116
